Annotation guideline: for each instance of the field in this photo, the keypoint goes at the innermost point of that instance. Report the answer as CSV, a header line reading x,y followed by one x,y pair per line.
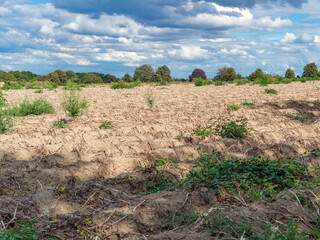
x,y
85,182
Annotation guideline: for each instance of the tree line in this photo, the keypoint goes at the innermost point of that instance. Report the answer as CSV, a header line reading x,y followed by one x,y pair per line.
x,y
144,73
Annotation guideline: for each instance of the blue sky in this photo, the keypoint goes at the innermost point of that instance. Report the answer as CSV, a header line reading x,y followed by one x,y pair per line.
x,y
117,36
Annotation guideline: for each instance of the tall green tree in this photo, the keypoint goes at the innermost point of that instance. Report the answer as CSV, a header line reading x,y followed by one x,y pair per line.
x,y
91,78
127,78
310,70
6,77
59,76
144,73
255,75
290,73
226,74
164,73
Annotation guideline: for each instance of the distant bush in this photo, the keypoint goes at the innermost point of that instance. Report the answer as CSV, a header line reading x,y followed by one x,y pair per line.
x,y
72,86
74,104
127,78
37,107
255,75
202,82
122,85
91,78
219,83
241,82
265,80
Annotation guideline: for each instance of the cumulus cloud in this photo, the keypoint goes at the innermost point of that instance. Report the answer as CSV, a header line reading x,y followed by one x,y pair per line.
x,y
288,38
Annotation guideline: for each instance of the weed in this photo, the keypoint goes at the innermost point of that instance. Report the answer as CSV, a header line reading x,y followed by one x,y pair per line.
x,y
230,127
59,124
3,101
38,91
106,125
74,104
183,218
5,120
71,86
150,97
180,137
160,182
299,117
270,91
241,82
218,83
248,104
37,107
201,82
24,232
165,161
315,152
255,177
233,107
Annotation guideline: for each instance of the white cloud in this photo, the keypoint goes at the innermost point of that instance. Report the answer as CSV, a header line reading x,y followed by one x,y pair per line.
x,y
190,53
120,56
288,38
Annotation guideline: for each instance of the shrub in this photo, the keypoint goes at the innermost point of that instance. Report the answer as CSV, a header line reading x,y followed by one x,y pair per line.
x,y
24,232
265,80
74,104
106,125
122,85
230,127
270,91
233,107
59,124
72,86
219,83
127,78
299,117
256,177
241,82
150,97
37,107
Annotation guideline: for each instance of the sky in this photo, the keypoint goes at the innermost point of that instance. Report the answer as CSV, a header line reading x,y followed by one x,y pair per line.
x,y
115,37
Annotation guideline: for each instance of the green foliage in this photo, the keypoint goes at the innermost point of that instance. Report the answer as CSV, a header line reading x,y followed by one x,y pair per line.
x,y
150,97
218,83
315,152
163,82
165,73
127,78
233,107
122,85
255,75
144,73
223,227
37,107
3,101
59,77
165,161
248,104
74,104
241,82
6,86
159,182
38,91
255,177
265,80
230,127
299,117
6,77
290,73
72,86
59,124
270,91
201,82
5,120
310,70
24,232
106,125
91,78
183,218
226,74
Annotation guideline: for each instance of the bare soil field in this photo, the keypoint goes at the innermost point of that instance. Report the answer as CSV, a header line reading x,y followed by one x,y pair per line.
x,y
83,182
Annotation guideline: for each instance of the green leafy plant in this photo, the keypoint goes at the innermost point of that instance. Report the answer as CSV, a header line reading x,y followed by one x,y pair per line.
x,y
74,104
38,91
315,152
106,125
230,127
255,177
233,107
270,91
248,104
37,107
159,182
165,161
150,97
59,124
123,85
24,232
299,117
72,86
5,119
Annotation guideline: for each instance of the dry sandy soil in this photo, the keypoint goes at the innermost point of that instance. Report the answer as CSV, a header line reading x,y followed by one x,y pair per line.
x,y
87,176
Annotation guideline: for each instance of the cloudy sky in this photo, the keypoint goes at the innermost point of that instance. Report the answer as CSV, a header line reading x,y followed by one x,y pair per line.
x,y
115,36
